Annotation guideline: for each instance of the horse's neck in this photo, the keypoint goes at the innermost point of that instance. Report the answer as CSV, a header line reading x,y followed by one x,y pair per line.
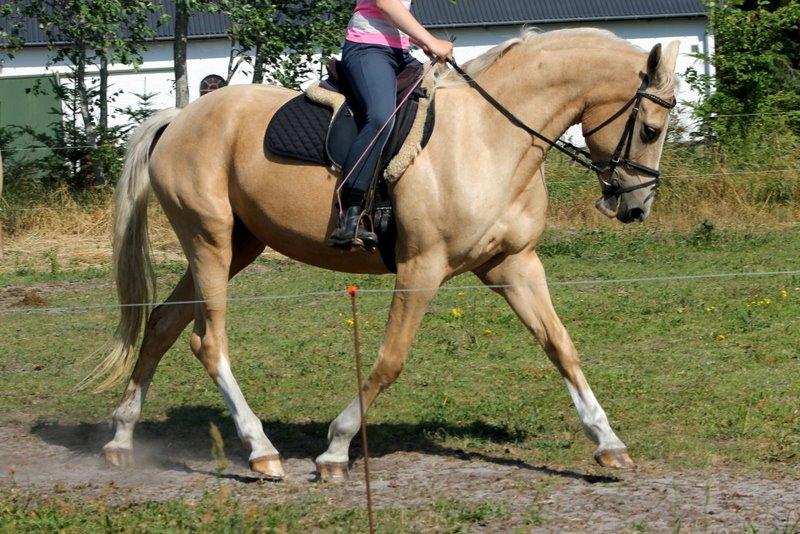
x,y
539,89
534,94
548,90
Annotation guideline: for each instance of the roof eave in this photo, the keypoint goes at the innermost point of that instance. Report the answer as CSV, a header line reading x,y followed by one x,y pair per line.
x,y
484,24
565,20
151,40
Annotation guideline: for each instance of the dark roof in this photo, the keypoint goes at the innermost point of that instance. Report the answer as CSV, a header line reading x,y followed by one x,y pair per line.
x,y
444,13
201,25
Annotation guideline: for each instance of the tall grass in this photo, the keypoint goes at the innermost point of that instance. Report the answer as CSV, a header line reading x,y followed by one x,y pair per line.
x,y
750,180
43,225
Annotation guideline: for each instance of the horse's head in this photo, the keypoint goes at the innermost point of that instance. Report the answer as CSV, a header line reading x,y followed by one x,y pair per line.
x,y
625,135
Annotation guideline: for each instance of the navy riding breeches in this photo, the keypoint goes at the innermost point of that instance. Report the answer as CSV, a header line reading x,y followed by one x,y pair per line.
x,y
372,73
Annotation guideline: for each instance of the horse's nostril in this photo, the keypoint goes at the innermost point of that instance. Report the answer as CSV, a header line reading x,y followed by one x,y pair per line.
x,y
636,214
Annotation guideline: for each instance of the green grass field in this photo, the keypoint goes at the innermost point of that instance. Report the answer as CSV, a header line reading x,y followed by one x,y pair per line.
x,y
701,373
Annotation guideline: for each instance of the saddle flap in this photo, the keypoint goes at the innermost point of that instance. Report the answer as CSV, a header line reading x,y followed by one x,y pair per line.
x,y
343,130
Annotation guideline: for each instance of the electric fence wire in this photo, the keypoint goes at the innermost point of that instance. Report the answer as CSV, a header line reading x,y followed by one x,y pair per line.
x,y
343,292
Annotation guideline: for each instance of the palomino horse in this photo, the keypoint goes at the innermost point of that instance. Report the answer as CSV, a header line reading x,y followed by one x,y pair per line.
x,y
473,200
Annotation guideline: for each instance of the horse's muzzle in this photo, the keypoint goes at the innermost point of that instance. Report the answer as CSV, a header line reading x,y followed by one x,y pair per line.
x,y
631,215
607,206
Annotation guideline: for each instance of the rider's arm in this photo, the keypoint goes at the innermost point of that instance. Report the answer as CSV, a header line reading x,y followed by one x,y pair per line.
x,y
402,18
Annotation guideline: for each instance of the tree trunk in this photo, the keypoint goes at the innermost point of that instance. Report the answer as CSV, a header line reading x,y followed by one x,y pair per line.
x,y
103,94
258,67
179,53
98,172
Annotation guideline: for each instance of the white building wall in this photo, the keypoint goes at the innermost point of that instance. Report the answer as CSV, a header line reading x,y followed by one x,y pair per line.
x,y
472,42
210,56
155,75
692,33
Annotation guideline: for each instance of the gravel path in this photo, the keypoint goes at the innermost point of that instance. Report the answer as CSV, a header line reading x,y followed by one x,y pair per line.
x,y
54,458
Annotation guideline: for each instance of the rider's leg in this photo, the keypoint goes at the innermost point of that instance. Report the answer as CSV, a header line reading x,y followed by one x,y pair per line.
x,y
372,73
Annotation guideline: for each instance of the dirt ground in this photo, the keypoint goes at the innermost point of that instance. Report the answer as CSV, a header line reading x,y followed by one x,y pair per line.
x,y
52,458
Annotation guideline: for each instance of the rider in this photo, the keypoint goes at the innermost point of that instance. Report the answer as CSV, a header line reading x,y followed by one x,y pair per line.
x,y
375,52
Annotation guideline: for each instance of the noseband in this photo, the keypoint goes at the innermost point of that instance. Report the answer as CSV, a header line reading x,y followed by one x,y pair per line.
x,y
620,157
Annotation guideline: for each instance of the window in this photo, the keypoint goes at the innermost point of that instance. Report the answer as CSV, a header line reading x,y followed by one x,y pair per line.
x,y
211,83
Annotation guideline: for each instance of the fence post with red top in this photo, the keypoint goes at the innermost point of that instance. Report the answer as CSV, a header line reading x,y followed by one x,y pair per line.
x,y
352,290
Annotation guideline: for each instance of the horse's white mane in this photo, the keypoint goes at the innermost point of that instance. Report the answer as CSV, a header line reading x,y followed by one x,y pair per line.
x,y
536,37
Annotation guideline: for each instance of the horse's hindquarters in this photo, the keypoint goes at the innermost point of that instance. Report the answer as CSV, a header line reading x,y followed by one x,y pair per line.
x,y
214,153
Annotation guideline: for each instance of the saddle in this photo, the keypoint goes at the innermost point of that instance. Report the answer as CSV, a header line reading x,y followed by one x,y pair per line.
x,y
320,126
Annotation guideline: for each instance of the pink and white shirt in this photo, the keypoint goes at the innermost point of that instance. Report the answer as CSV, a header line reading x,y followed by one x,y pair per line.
x,y
370,26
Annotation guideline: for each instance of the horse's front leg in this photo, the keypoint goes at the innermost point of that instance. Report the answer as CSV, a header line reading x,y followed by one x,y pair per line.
x,y
527,293
417,283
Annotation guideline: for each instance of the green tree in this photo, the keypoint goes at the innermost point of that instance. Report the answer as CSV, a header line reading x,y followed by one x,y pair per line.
x,y
86,35
283,40
179,44
183,12
756,63
10,28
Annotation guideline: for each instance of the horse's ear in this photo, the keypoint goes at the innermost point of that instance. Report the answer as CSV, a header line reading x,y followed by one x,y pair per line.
x,y
653,61
670,57
661,63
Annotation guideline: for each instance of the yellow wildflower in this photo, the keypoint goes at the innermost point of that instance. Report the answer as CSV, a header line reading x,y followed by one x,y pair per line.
x,y
784,293
349,321
488,333
456,313
720,337
460,293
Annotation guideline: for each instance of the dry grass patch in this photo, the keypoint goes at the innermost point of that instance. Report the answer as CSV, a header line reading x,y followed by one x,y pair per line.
x,y
62,233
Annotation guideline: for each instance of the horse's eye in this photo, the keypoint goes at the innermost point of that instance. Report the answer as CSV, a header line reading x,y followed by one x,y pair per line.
x,y
650,134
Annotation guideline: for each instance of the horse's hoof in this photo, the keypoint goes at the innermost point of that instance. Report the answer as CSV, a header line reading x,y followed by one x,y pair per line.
x,y
614,458
119,457
269,467
333,471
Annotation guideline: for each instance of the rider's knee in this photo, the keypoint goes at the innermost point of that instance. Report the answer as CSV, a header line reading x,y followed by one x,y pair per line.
x,y
377,118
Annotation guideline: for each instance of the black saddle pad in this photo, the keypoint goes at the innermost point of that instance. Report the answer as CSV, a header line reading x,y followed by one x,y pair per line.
x,y
304,130
298,130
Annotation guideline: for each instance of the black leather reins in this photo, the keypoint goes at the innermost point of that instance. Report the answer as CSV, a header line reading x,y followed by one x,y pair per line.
x,y
610,188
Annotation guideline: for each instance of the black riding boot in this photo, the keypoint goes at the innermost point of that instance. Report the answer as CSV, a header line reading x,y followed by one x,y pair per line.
x,y
351,233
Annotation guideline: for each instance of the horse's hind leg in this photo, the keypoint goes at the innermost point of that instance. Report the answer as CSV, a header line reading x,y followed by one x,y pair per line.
x,y
165,324
528,295
207,243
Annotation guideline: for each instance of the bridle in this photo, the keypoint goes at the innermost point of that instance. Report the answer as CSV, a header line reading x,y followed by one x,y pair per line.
x,y
622,154
611,188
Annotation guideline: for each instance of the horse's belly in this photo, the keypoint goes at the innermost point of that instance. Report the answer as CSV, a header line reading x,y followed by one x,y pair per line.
x,y
290,207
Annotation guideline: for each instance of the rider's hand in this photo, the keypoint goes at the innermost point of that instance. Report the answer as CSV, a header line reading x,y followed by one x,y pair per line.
x,y
439,49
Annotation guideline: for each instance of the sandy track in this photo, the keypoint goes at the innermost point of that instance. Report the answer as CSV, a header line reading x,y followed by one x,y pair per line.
x,y
53,458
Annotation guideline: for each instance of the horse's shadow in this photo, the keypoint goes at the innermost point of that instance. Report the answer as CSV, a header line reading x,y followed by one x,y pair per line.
x,y
183,437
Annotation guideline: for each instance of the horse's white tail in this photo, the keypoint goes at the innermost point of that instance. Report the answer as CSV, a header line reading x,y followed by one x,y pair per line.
x,y
133,268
